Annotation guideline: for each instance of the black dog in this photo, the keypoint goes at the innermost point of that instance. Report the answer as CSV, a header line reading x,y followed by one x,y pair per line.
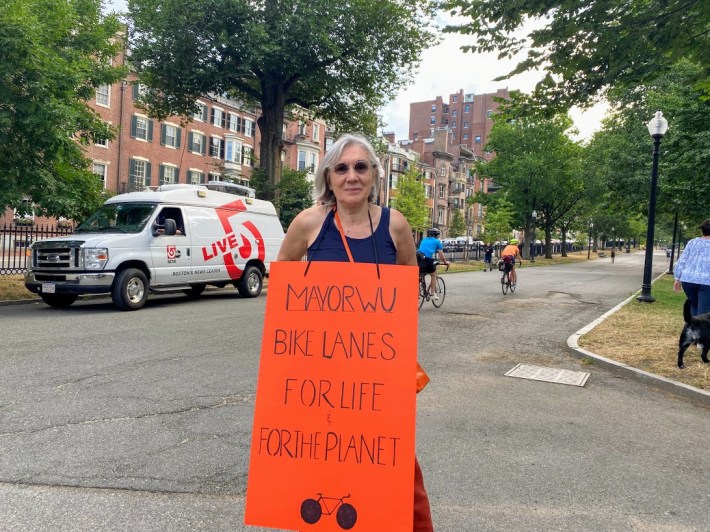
x,y
695,331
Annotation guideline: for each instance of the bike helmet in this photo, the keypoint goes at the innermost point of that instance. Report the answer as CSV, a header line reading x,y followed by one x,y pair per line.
x,y
433,232
513,240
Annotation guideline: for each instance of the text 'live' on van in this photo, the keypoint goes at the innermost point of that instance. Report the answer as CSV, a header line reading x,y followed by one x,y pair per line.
x,y
175,238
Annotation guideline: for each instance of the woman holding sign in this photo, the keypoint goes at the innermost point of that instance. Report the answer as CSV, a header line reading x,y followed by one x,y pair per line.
x,y
347,226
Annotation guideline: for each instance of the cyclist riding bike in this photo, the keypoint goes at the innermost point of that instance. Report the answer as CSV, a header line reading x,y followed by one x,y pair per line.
x,y
430,247
509,254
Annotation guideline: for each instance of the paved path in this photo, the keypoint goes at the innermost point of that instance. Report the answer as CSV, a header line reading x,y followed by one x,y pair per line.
x,y
112,432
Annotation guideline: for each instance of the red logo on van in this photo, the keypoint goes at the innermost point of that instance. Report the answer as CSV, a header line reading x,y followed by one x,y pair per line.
x,y
243,242
171,252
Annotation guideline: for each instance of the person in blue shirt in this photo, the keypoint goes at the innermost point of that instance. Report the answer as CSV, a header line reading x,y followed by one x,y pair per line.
x,y
692,272
430,247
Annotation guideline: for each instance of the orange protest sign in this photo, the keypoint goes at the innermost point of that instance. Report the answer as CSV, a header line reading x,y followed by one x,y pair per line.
x,y
334,426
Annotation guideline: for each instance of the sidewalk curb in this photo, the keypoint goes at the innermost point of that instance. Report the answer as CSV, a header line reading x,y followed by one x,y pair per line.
x,y
677,388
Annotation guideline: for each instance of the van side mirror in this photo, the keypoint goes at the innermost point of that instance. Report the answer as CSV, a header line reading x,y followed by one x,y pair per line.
x,y
169,228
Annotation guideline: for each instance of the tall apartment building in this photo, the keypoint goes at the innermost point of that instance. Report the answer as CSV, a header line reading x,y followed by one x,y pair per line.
x,y
468,116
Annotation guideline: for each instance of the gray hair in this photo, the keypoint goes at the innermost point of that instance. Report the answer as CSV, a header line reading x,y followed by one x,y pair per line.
x,y
323,193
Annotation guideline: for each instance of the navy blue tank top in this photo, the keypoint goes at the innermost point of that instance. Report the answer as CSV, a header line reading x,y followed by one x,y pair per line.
x,y
328,245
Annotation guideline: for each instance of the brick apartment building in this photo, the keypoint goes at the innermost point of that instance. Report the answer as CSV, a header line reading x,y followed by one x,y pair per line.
x,y
468,116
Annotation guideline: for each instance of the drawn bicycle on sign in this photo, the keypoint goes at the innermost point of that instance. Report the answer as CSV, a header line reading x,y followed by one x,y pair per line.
x,y
312,509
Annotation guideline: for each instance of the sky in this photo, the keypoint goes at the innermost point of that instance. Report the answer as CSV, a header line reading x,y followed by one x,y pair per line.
x,y
445,69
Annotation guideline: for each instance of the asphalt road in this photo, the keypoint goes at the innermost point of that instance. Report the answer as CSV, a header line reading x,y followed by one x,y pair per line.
x,y
142,420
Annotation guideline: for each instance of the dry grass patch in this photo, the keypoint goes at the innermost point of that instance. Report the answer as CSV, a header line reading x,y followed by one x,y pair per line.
x,y
12,287
645,336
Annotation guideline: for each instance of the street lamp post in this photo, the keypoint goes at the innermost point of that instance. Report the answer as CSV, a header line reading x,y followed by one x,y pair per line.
x,y
613,241
533,215
589,239
675,227
657,127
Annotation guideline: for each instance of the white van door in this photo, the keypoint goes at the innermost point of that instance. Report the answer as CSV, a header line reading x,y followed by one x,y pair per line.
x,y
171,254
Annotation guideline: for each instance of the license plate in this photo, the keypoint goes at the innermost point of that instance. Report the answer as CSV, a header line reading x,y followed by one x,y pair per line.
x,y
47,288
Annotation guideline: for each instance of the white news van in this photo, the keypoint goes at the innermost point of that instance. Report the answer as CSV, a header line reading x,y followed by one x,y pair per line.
x,y
176,238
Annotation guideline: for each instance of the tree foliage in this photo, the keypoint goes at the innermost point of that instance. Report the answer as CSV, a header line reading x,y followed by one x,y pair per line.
x,y
457,224
411,200
539,168
53,55
587,46
295,195
336,60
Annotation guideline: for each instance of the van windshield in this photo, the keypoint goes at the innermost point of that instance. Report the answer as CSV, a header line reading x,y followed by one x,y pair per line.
x,y
118,217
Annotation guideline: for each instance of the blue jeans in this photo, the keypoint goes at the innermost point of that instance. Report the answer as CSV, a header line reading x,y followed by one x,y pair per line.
x,y
699,295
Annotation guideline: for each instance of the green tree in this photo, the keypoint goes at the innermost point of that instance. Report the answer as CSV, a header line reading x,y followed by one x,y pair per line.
x,y
586,47
457,224
539,168
295,194
411,200
53,55
499,219
333,59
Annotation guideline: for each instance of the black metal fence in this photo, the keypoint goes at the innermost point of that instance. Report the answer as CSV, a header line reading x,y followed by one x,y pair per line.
x,y
15,241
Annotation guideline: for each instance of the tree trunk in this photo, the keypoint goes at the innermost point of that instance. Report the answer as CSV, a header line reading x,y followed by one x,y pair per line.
x,y
548,241
564,241
271,127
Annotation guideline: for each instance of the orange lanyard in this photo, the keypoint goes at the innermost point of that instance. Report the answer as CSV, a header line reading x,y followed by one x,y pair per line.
x,y
342,235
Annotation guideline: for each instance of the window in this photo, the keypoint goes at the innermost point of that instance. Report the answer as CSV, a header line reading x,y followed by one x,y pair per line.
x,y
138,174
200,112
453,124
103,95
195,177
433,120
101,143
314,163
455,98
249,127
168,174
433,108
316,132
170,136
478,139
301,128
442,191
393,181
301,160
197,143
213,176
247,155
101,169
467,108
328,143
234,122
138,91
218,117
429,191
468,97
453,113
465,136
216,147
440,218
465,125
233,151
442,171
489,113
141,128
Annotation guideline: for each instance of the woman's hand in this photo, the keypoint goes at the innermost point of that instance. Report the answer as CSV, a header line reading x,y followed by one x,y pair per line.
x,y
676,286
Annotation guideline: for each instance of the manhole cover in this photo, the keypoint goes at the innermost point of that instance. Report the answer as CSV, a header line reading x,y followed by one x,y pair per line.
x,y
559,376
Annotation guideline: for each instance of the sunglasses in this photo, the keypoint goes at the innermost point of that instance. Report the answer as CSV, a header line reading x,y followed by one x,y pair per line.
x,y
360,167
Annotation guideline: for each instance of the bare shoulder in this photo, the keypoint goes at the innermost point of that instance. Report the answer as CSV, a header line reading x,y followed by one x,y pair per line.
x,y
403,239
302,232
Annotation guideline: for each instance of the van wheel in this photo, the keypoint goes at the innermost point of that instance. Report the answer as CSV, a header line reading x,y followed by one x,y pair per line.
x,y
251,282
59,300
195,290
130,289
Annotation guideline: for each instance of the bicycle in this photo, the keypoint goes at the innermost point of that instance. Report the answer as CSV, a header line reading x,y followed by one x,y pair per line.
x,y
312,509
505,283
425,291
